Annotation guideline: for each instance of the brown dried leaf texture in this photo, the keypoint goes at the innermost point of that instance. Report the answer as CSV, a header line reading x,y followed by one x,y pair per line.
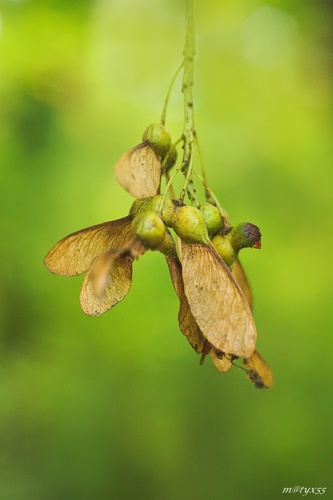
x,y
139,171
187,323
258,371
74,254
240,277
217,302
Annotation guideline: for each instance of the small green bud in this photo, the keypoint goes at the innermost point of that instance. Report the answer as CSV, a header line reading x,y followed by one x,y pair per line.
x,y
158,137
212,218
150,229
225,249
189,224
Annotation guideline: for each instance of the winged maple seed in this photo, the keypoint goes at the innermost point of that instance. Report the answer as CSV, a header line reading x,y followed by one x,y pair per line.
x,y
257,369
189,327
108,251
139,171
217,301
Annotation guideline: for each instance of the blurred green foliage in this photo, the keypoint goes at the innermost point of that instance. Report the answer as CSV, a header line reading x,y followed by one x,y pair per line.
x,y
118,406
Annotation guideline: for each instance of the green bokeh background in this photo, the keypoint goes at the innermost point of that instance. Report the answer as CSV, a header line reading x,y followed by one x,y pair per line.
x,y
118,406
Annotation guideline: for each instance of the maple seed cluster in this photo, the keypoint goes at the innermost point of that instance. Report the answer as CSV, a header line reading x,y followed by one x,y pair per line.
x,y
215,298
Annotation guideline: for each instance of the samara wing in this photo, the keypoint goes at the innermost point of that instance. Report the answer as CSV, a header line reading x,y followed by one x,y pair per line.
x,y
107,282
217,302
74,254
139,171
187,323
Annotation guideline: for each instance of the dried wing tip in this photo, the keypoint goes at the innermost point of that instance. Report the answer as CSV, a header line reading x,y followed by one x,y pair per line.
x,y
107,283
258,371
221,361
187,323
139,171
217,302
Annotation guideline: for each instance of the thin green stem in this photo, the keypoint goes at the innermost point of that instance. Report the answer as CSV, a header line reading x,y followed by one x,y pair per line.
x,y
188,132
189,186
169,185
173,146
203,172
166,173
163,117
170,189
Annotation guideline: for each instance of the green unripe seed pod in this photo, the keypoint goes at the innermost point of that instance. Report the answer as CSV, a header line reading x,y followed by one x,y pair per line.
x,y
150,229
245,235
136,206
212,218
154,204
170,159
158,137
167,247
225,249
189,224
166,210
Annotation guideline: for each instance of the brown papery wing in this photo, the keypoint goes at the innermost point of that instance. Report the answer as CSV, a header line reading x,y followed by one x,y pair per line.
x,y
107,283
187,323
240,276
139,171
258,371
217,302
74,254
